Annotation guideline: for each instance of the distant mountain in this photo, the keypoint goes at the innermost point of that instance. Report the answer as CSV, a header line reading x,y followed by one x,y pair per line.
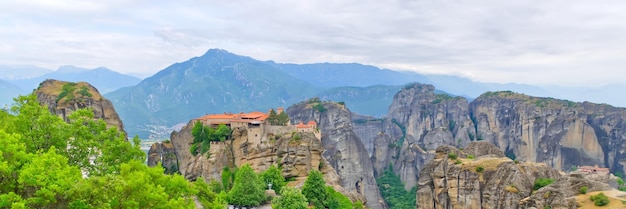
x,y
13,72
103,79
216,82
329,75
8,91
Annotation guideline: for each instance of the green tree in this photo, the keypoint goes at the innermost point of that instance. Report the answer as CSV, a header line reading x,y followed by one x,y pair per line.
x,y
204,135
96,149
221,133
44,181
283,118
273,175
13,157
314,189
541,182
247,189
40,129
136,186
200,137
337,200
600,199
393,192
272,118
291,198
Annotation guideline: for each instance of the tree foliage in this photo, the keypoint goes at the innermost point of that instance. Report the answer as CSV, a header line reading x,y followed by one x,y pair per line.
x,y
541,182
247,189
291,198
48,163
314,189
392,190
273,175
204,135
600,199
278,119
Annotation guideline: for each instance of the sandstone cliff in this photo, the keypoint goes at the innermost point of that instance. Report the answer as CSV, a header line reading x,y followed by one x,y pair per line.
x,y
483,178
343,148
275,145
559,133
62,98
418,122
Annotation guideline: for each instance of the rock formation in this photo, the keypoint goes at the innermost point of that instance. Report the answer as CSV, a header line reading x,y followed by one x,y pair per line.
x,y
62,98
560,133
418,121
276,146
165,154
343,148
487,179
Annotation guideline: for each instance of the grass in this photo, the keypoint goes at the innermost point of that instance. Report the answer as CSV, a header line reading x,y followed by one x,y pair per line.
x,y
615,199
72,90
487,164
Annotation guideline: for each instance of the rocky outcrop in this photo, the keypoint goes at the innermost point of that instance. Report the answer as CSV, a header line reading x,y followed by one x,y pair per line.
x,y
560,133
343,148
418,122
62,98
562,193
165,154
275,146
455,179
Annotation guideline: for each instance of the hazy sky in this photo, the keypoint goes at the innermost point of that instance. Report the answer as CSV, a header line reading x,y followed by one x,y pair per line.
x,y
538,42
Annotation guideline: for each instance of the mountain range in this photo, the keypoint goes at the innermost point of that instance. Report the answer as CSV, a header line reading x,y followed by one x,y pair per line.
x,y
220,81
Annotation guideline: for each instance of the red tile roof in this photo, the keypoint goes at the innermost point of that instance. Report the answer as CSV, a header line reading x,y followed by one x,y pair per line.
x,y
302,125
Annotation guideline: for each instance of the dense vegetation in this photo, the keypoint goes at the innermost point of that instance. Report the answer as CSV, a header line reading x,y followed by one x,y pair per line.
x,y
392,190
48,163
204,135
280,119
541,182
290,198
600,199
321,196
247,189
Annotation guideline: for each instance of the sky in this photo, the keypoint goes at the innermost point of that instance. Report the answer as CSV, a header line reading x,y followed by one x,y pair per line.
x,y
538,42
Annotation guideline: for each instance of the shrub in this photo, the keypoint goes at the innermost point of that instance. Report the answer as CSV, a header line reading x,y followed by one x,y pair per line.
x,y
600,199
541,182
516,161
583,190
457,162
480,169
471,157
452,156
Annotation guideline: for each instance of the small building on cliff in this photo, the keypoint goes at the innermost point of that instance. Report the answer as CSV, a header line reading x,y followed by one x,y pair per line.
x,y
256,124
593,170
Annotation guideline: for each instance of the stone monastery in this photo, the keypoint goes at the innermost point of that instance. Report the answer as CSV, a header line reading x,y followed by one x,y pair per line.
x,y
257,125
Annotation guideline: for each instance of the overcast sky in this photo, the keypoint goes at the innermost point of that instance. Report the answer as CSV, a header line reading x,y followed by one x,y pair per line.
x,y
537,42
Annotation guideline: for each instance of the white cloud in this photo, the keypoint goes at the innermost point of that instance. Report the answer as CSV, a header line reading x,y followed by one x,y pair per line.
x,y
537,42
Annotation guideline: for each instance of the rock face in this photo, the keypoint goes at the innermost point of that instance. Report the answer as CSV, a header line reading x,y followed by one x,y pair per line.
x,y
486,180
343,148
275,146
559,133
561,194
165,154
63,98
418,122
